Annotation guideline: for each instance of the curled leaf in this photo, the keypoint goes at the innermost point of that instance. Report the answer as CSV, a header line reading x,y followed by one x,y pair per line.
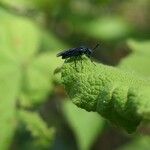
x,y
119,96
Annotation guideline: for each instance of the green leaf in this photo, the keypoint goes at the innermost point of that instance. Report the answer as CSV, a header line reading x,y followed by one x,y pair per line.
x,y
107,28
39,77
22,49
15,48
22,4
20,60
51,42
9,88
20,45
86,126
140,143
140,47
138,60
43,136
119,96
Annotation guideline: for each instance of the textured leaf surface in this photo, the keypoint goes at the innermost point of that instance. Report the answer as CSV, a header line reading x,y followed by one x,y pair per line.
x,y
86,126
119,96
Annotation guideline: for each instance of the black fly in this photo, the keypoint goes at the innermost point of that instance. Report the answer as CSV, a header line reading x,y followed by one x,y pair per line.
x,y
77,52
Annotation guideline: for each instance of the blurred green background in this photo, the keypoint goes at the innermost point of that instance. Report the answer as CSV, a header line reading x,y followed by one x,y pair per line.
x,y
35,112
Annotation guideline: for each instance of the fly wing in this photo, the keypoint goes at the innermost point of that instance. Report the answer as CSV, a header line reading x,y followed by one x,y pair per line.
x,y
66,52
60,53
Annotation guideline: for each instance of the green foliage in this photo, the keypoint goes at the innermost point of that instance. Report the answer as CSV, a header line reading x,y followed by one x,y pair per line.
x,y
39,78
43,136
86,126
19,2
23,53
30,34
138,60
140,143
119,96
26,75
9,88
107,28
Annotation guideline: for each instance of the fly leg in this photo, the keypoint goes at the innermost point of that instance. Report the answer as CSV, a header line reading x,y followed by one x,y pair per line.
x,y
91,60
81,60
74,59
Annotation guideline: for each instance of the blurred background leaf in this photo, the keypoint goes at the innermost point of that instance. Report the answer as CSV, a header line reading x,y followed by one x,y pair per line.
x,y
140,143
138,61
26,78
9,89
107,28
86,126
42,135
